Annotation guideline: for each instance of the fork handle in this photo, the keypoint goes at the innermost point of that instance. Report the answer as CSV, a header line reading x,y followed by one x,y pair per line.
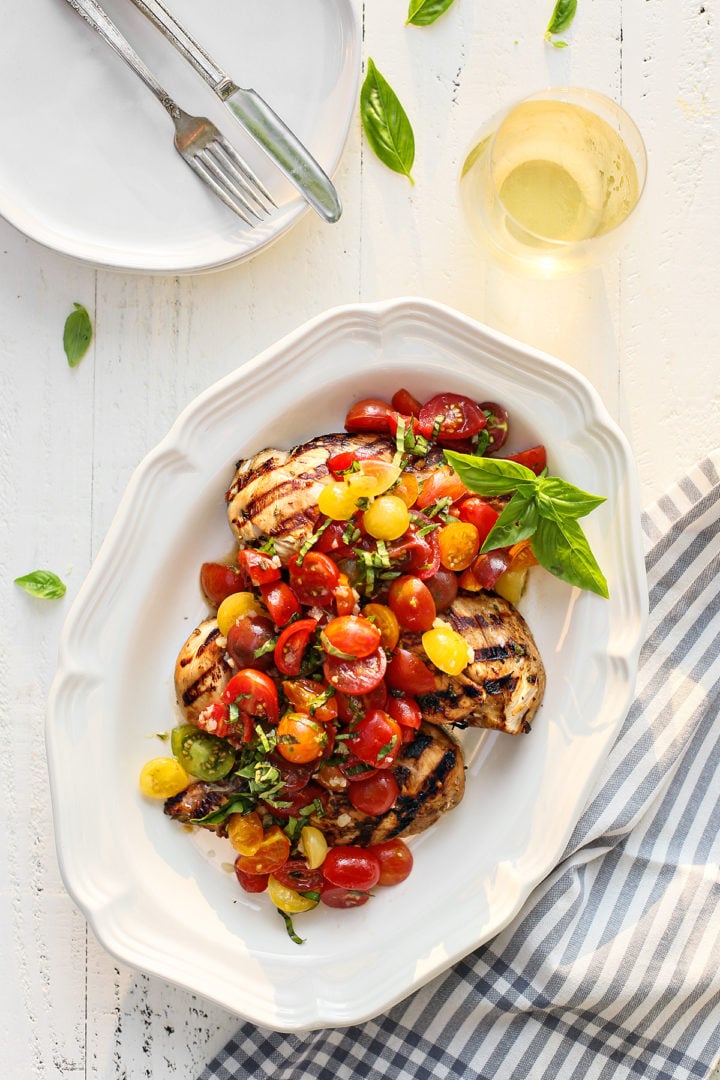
x,y
100,21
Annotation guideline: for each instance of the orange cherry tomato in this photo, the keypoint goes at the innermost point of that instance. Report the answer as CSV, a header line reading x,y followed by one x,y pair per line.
x,y
385,619
442,484
412,603
459,544
306,696
301,738
270,854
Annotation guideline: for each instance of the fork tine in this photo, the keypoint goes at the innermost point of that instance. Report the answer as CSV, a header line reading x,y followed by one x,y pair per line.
x,y
246,172
239,205
228,173
227,178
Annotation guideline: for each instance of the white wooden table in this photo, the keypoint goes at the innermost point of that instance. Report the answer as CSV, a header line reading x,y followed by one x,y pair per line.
x,y
645,330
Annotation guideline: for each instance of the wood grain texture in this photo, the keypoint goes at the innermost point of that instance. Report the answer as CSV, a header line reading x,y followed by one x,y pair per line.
x,y
643,329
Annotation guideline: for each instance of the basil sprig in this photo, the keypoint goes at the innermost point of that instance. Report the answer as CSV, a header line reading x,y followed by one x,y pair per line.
x,y
42,583
77,335
561,18
544,509
385,123
424,12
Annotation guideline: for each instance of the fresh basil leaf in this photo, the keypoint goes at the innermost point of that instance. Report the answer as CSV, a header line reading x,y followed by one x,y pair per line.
x,y
424,12
561,547
385,123
562,16
238,804
42,583
491,476
556,496
77,335
517,522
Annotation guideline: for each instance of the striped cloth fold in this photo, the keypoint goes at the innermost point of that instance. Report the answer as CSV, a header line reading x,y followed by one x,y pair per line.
x,y
612,968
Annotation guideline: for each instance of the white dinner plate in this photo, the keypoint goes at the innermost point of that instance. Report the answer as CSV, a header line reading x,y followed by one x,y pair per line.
x,y
89,166
163,899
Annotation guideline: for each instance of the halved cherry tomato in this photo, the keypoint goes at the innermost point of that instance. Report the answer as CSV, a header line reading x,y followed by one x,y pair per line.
x,y
404,402
281,602
405,710
521,555
370,414
352,706
356,676
301,738
296,801
458,416
313,578
407,488
480,514
385,619
496,426
258,567
396,861
336,897
444,588
269,856
245,832
254,693
332,538
252,883
376,739
535,458
416,552
374,794
412,602
247,639
218,582
408,673
488,567
444,483
351,867
311,697
214,719
340,463
291,645
459,544
344,596
296,874
351,637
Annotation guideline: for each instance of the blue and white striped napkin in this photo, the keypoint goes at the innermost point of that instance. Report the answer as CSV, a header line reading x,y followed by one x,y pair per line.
x,y
612,969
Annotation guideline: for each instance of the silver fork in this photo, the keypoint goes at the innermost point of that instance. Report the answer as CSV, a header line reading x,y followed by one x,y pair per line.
x,y
198,141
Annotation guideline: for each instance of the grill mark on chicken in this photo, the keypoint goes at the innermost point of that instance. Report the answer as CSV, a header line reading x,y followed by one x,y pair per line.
x,y
201,669
201,798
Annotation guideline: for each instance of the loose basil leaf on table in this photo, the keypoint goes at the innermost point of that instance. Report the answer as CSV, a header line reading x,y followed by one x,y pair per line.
x,y
562,16
424,12
77,335
543,509
42,583
386,124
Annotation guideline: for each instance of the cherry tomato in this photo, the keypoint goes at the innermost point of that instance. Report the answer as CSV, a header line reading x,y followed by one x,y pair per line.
x,y
396,861
444,483
444,588
344,597
281,602
417,553
291,645
340,463
459,417
412,602
218,582
374,794
404,402
385,619
489,567
245,832
405,710
255,694
447,649
269,856
350,635
201,754
311,697
480,514
496,426
252,883
234,607
521,556
258,567
335,897
247,637
356,676
163,777
214,718
294,777
376,739
387,518
297,801
370,414
332,539
535,458
459,544
407,488
300,738
352,706
296,874
351,867
313,578
408,673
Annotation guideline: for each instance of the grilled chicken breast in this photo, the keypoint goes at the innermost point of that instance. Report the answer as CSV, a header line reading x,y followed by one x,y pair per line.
x,y
503,686
201,670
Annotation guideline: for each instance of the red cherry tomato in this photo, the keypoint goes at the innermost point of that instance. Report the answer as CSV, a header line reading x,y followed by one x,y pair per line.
x,y
257,567
350,635
404,402
218,581
313,578
412,603
247,637
254,693
408,673
535,458
294,777
281,602
351,706
296,874
374,794
356,676
370,414
376,739
344,599
444,483
335,897
351,867
405,710
396,861
297,801
332,539
458,416
252,883
291,645
489,567
215,719
496,426
478,513
444,588
339,464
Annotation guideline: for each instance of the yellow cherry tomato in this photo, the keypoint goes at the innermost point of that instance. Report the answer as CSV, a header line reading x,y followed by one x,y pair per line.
x,y
407,488
234,607
447,649
386,518
162,778
459,544
288,900
337,501
383,473
386,621
245,832
313,845
510,585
